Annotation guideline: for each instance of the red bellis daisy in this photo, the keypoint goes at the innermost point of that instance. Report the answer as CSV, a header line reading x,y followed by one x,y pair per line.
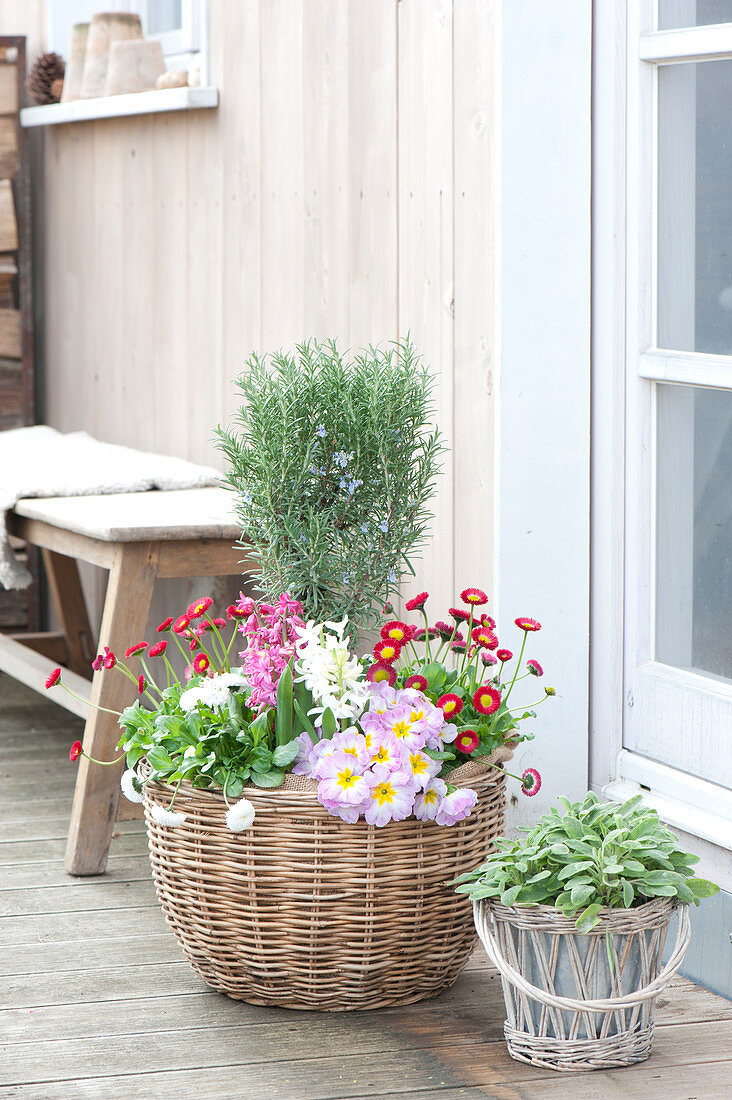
x,y
109,658
530,782
534,667
53,678
199,607
137,648
417,602
396,631
381,672
486,639
467,740
75,751
474,596
97,662
387,651
165,625
417,682
450,704
487,699
200,663
181,623
504,655
527,624
157,649
459,614
141,684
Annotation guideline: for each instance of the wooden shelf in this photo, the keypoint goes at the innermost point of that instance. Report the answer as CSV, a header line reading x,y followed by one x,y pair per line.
x,y
118,106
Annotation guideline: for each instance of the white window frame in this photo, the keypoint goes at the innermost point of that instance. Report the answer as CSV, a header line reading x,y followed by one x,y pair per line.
x,y
624,282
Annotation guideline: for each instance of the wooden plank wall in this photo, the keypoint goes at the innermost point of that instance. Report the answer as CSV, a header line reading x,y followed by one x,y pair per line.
x,y
343,188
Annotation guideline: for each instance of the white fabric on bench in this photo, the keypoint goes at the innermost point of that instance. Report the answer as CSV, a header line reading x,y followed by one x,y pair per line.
x,y
41,462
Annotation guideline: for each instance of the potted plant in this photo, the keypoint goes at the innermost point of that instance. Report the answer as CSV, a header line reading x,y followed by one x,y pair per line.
x,y
307,805
575,916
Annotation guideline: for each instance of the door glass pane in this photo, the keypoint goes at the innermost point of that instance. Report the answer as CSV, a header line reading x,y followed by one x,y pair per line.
x,y
163,15
694,529
695,207
692,13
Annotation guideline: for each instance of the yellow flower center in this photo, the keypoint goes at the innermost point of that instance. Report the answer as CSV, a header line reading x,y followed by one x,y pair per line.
x,y
346,778
383,792
401,729
381,755
430,797
416,716
418,762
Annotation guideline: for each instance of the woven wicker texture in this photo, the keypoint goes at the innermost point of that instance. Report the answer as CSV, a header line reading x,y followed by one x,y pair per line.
x,y
305,911
568,1008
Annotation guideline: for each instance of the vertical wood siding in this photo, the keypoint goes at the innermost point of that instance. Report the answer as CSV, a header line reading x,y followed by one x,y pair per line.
x,y
342,188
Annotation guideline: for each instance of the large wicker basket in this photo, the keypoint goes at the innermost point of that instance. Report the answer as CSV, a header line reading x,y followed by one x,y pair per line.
x,y
305,911
568,1007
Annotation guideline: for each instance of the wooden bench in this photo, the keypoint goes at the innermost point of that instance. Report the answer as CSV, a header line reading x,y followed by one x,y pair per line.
x,y
137,537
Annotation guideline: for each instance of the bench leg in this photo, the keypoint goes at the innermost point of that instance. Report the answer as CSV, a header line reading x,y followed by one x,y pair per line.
x,y
97,792
68,599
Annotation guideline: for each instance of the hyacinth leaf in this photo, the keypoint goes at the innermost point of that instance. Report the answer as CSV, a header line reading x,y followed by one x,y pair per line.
x,y
307,725
328,724
302,702
284,709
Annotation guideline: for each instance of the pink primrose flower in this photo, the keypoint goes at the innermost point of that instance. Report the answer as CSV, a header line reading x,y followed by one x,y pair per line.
x,y
424,769
389,799
456,806
302,765
386,753
427,802
341,781
353,743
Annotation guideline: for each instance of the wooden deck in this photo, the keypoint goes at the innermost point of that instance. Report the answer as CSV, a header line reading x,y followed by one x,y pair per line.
x,y
97,1000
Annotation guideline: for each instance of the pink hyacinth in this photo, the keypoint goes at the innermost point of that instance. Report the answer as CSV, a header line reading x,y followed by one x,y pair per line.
x,y
271,630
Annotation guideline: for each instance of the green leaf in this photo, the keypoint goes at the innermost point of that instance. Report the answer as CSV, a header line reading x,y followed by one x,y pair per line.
x,y
307,725
702,888
285,754
628,894
328,724
273,778
284,708
589,918
508,897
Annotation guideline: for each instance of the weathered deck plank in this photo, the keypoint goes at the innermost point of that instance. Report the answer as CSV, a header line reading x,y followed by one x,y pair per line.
x,y
97,1001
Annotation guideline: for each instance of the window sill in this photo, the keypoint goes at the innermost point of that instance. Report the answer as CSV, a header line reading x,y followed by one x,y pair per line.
x,y
118,106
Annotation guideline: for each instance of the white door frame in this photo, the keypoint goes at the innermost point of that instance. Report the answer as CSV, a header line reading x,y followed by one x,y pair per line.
x,y
621,302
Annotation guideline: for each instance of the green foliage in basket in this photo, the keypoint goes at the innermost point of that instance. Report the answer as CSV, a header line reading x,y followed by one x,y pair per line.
x,y
595,855
211,746
333,461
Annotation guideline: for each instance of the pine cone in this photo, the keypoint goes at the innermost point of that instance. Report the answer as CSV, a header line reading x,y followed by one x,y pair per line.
x,y
43,80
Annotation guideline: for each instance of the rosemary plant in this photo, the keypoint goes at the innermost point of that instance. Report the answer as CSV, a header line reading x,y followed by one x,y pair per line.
x,y
333,461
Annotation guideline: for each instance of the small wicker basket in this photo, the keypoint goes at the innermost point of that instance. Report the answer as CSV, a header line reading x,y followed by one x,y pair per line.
x,y
304,911
567,1007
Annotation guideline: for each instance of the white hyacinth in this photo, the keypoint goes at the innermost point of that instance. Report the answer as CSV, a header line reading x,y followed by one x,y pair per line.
x,y
240,816
166,817
330,671
213,692
127,783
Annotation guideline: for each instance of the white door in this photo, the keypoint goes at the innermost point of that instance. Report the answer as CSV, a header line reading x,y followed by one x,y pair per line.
x,y
677,722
